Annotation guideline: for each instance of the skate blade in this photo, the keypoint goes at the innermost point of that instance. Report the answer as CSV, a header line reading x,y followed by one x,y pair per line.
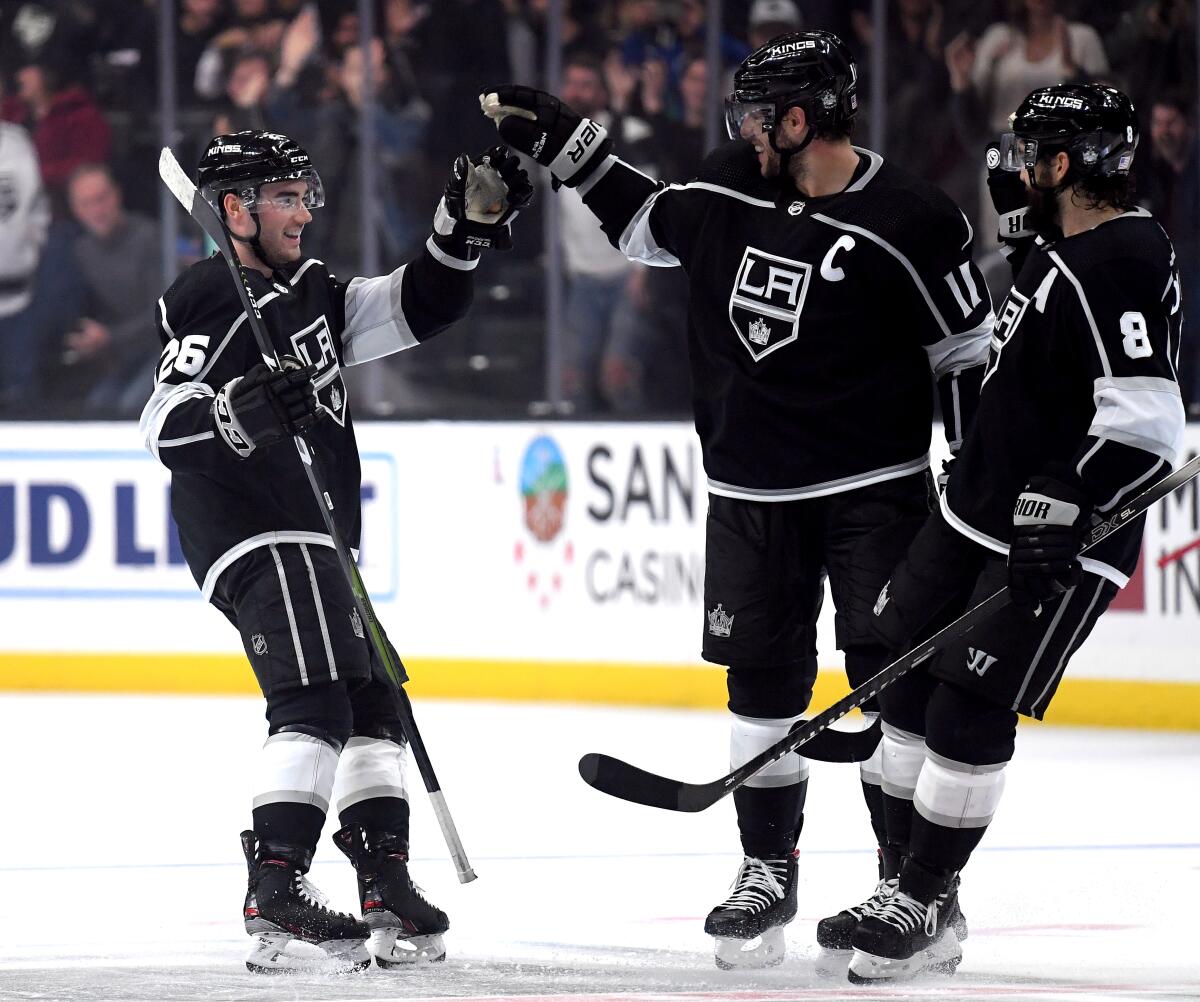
x,y
766,950
831,963
392,948
940,957
280,953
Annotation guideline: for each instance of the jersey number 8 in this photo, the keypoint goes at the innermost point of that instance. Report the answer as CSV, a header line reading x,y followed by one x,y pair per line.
x,y
1134,337
186,356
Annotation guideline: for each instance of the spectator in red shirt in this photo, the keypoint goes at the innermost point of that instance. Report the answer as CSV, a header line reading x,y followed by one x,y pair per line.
x,y
67,126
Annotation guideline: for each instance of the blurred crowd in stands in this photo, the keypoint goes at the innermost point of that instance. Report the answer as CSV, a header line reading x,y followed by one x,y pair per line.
x,y
80,246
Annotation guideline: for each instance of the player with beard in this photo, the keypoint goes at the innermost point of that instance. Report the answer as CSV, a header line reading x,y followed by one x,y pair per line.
x,y
1080,410
824,285
255,539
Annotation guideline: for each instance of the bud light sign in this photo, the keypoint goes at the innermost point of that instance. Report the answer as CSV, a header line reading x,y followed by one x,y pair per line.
x,y
79,522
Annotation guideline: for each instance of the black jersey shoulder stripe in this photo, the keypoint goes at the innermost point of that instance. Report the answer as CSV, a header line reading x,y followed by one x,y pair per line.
x,y
162,314
303,269
1087,309
875,161
904,262
718,189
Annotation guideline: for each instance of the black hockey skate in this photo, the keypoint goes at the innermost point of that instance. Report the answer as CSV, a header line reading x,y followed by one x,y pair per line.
x,y
282,906
748,925
834,932
908,936
405,928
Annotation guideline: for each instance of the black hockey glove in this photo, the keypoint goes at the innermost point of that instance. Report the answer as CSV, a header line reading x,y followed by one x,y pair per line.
x,y
480,202
266,406
541,126
1050,521
1008,196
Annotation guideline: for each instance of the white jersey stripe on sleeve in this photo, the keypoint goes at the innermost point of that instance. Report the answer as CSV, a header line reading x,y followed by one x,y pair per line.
x,y
962,351
637,241
1144,412
375,320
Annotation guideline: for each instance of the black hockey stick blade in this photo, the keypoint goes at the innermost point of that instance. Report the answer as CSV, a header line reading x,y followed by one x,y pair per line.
x,y
832,745
186,193
609,775
628,782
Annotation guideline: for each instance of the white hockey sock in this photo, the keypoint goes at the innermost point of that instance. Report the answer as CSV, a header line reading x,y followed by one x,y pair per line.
x,y
957,795
370,767
295,768
749,736
870,771
902,754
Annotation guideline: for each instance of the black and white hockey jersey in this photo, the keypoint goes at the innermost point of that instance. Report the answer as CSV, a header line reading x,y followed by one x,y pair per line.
x,y
813,323
1081,380
226,506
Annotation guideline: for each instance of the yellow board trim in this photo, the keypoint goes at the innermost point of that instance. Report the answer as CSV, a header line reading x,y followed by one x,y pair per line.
x,y
1081,701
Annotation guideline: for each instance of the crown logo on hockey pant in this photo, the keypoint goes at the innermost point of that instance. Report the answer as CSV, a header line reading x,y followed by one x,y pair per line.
x,y
766,301
719,622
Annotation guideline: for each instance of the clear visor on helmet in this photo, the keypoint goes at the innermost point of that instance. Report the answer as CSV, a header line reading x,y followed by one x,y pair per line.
x,y
288,193
1016,153
748,119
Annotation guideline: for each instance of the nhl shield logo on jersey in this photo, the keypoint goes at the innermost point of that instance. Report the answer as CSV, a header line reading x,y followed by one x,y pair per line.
x,y
259,643
314,346
767,299
720,623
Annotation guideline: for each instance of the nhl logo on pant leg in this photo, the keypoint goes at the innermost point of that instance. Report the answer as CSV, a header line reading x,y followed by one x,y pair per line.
x,y
356,624
259,643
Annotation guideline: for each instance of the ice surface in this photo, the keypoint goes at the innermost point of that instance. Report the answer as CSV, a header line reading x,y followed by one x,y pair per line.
x,y
121,876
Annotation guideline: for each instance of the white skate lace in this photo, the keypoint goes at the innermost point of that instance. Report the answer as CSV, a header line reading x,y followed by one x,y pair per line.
x,y
906,913
755,887
883,890
312,894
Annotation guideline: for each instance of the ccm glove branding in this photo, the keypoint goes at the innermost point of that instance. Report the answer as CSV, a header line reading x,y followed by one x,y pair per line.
x,y
480,202
266,406
1049,522
541,126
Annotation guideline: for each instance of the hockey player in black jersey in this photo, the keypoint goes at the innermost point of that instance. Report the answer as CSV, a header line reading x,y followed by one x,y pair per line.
x,y
255,539
825,285
1080,409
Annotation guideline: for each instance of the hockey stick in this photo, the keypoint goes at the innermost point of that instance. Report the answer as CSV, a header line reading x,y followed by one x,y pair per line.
x,y
627,782
181,186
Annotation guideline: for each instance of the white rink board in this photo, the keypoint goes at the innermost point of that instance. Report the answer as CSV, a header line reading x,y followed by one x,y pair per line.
x,y
455,568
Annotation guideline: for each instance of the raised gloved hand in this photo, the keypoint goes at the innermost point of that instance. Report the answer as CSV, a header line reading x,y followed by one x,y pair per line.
x,y
1050,521
480,202
266,406
1008,196
541,126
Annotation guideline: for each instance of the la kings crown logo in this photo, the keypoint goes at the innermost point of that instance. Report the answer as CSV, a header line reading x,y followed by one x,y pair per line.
x,y
767,299
314,346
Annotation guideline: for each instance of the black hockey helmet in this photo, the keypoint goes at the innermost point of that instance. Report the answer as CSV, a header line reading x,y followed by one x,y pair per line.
x,y
1095,125
241,162
812,69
